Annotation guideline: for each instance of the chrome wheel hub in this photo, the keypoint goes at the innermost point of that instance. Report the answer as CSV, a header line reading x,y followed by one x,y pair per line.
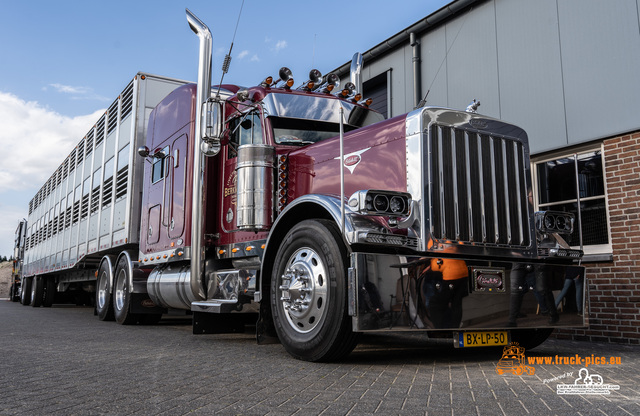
x,y
120,289
303,290
102,291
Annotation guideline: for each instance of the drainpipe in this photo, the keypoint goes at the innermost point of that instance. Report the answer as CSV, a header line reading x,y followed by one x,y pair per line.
x,y
203,93
433,20
417,88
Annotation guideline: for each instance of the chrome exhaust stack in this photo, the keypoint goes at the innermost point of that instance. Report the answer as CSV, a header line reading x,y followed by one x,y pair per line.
x,y
356,71
197,202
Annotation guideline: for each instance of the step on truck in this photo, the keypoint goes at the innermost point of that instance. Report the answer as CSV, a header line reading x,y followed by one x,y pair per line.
x,y
302,211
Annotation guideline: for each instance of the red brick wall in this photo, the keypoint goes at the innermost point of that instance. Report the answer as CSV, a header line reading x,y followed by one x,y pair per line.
x,y
614,287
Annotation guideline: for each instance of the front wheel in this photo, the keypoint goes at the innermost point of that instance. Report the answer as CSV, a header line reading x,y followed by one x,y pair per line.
x,y
309,293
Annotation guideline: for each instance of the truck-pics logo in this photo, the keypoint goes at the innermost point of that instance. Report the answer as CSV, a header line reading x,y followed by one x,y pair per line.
x,y
351,160
513,361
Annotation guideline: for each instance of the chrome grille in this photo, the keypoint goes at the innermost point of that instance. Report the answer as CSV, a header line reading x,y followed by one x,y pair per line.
x,y
478,192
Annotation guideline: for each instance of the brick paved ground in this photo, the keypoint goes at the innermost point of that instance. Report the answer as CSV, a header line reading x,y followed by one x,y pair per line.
x,y
63,360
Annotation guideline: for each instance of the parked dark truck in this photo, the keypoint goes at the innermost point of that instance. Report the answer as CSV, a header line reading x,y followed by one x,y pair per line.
x,y
302,211
18,256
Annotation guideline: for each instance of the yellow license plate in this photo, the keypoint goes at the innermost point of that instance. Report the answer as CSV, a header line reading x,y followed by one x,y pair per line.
x,y
482,339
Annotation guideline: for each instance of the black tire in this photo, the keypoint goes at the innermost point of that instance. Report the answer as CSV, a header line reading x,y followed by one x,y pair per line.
x,y
104,303
49,292
309,293
25,293
37,291
530,338
122,295
13,293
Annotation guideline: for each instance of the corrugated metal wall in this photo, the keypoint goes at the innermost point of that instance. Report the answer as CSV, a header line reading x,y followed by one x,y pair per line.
x,y
564,70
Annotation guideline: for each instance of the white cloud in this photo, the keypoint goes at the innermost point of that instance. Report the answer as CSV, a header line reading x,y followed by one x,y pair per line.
x,y
243,54
255,58
281,44
68,89
35,140
77,93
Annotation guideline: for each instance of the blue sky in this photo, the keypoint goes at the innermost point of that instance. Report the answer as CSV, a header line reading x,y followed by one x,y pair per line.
x,y
62,63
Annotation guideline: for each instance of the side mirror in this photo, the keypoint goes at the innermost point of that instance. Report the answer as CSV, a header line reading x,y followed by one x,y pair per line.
x,y
143,151
212,118
159,153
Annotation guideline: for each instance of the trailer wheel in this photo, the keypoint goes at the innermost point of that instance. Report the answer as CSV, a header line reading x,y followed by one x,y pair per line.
x,y
25,293
104,306
37,291
122,295
49,292
309,293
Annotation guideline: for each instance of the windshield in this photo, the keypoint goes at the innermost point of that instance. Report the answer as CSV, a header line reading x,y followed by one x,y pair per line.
x,y
297,132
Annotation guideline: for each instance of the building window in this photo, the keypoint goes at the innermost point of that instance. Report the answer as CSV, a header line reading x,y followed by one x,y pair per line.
x,y
574,182
377,89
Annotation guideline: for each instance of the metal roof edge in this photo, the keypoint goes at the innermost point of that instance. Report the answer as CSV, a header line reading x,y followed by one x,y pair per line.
x,y
421,25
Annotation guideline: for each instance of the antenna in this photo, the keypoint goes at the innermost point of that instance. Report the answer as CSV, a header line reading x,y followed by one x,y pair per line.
x,y
227,58
424,100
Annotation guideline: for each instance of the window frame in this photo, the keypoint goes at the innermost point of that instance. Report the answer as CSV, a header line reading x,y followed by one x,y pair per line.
x,y
572,153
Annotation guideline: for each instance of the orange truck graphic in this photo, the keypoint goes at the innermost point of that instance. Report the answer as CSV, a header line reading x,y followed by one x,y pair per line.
x,y
513,361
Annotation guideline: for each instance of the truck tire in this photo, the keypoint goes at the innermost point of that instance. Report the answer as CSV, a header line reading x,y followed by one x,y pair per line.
x,y
309,293
104,304
122,295
37,291
25,293
49,292
13,293
530,338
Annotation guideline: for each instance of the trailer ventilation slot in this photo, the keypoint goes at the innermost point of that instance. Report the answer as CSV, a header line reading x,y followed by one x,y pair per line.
x,y
95,200
89,139
121,183
100,130
76,212
81,151
84,213
112,113
65,169
107,192
127,101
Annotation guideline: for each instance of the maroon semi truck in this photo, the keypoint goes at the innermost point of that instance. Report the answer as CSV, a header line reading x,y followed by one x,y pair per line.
x,y
299,210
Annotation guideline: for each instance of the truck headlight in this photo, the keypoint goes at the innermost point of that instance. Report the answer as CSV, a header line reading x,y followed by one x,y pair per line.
x,y
387,203
554,222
